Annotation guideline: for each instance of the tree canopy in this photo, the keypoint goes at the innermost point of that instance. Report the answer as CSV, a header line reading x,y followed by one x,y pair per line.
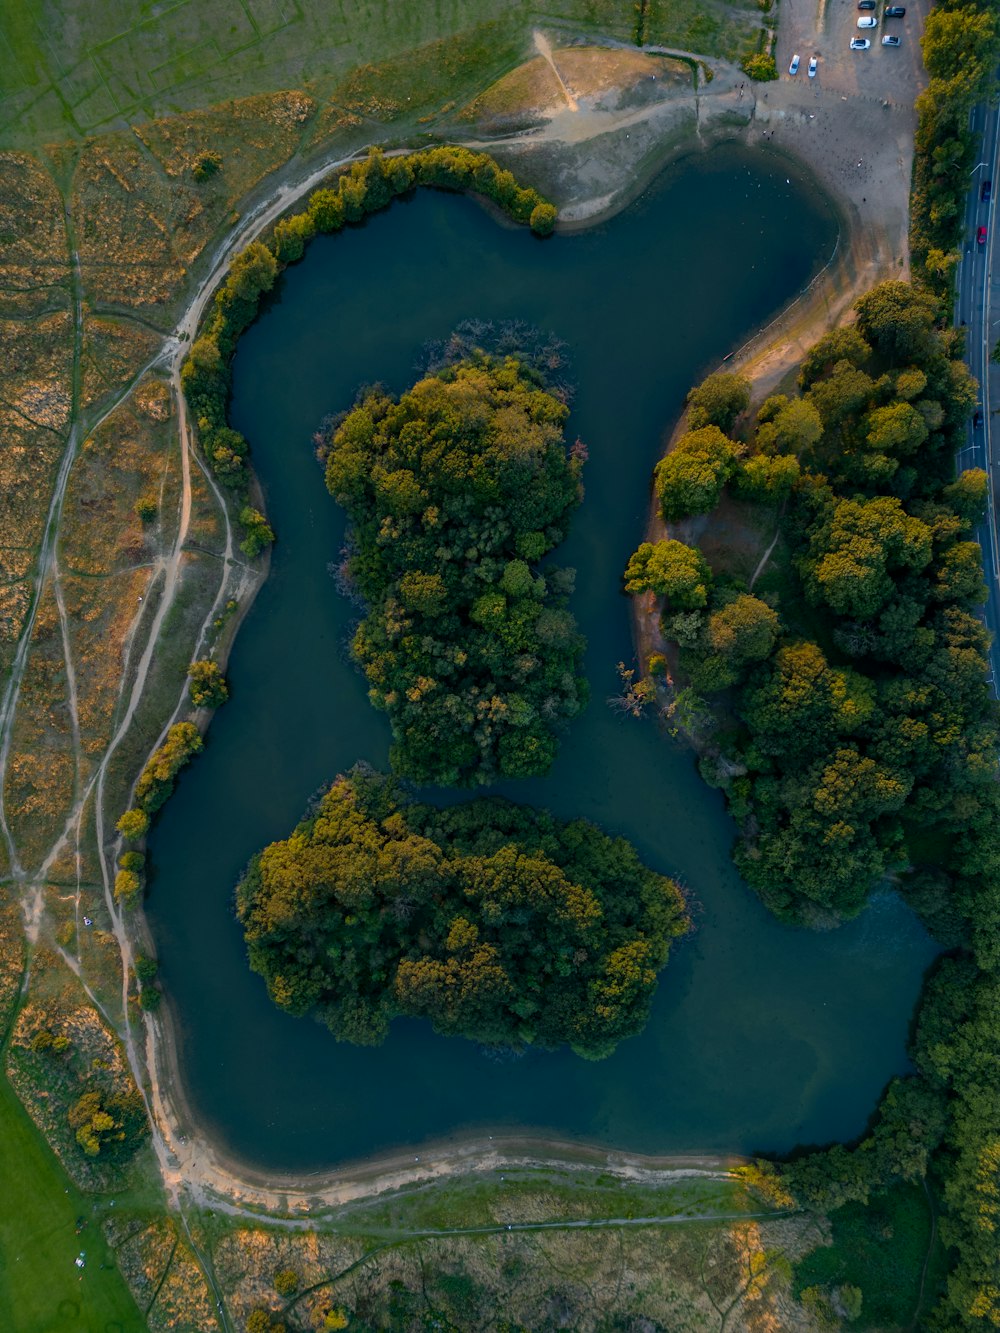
x,y
456,491
495,921
855,721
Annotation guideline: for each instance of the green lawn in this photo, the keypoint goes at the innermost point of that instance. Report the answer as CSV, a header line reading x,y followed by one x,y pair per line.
x,y
41,1289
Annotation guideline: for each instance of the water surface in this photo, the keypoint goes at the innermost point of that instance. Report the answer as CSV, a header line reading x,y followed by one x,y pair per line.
x,y
761,1037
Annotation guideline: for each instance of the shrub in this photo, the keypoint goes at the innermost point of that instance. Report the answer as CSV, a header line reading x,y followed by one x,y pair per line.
x,y
127,886
146,508
761,68
286,1280
543,219
156,781
132,861
146,968
133,825
205,165
207,685
257,534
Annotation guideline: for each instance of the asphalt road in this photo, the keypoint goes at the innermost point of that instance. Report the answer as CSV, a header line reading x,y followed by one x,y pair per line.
x,y
978,307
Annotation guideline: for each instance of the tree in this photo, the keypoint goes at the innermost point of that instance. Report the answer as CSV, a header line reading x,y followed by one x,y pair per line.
x,y
768,479
799,704
842,344
257,532
291,236
718,401
794,428
761,68
689,480
206,165
671,570
967,495
897,429
127,887
745,630
286,1281
855,550
897,320
543,219
133,825
252,272
156,781
207,686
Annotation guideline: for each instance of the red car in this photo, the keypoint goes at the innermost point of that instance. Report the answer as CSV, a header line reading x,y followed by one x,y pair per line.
x,y
981,235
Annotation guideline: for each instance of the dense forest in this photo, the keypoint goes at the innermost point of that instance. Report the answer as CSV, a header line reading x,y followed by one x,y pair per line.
x,y
455,493
839,694
859,732
495,921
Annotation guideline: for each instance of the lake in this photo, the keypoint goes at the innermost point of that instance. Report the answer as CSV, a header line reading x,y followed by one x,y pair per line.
x,y
761,1037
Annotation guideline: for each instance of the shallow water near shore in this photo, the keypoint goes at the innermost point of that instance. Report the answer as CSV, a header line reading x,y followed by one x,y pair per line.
x,y
761,1037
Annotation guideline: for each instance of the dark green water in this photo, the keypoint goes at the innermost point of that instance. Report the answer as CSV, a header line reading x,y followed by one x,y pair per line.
x,y
761,1037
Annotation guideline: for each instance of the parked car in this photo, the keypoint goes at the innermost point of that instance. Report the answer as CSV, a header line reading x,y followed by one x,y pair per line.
x,y
891,41
793,68
895,12
981,235
866,4
868,22
860,43
813,66
986,191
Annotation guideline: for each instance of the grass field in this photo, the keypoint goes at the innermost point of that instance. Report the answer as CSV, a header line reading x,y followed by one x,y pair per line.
x,y
41,1289
73,68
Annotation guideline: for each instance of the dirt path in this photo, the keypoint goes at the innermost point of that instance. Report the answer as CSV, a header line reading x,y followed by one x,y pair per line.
x,y
544,49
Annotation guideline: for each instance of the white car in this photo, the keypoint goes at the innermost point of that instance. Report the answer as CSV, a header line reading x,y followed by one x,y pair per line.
x,y
860,43
813,66
867,22
793,68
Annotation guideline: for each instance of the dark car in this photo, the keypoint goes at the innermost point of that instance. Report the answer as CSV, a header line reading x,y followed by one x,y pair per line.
x,y
866,4
977,421
895,12
986,191
981,236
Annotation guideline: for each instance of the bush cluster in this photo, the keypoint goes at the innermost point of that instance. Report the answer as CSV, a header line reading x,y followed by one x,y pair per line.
x,y
495,921
156,781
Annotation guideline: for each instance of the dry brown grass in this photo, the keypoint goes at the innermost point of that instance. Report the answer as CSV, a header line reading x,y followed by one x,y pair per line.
x,y
123,211
39,782
114,350
253,137
680,1277
531,92
165,1279
12,955
34,260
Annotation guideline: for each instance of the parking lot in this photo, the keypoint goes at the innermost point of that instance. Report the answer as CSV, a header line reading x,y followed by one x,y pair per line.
x,y
824,28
